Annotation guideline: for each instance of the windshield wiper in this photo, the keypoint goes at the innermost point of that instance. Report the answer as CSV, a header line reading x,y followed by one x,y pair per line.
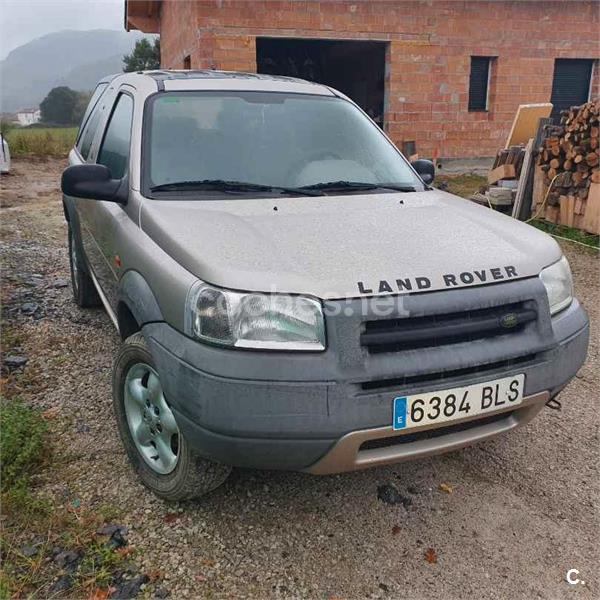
x,y
230,186
358,186
398,188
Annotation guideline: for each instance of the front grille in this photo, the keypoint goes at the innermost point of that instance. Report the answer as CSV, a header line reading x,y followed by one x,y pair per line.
x,y
396,335
431,433
444,376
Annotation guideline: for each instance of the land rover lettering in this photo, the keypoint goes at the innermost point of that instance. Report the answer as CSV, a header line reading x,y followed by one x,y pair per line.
x,y
448,280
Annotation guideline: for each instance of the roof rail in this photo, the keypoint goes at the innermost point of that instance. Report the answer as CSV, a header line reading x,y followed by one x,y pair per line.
x,y
160,76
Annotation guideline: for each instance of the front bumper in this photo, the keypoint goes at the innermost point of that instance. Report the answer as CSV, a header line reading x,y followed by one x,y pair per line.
x,y
319,412
383,446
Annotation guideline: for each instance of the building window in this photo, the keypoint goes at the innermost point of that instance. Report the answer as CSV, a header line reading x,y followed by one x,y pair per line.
x,y
479,83
187,62
570,84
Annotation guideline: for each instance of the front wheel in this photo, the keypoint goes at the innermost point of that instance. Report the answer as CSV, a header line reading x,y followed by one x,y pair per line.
x,y
156,448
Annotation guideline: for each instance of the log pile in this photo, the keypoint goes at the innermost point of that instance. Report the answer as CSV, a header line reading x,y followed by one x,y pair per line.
x,y
570,153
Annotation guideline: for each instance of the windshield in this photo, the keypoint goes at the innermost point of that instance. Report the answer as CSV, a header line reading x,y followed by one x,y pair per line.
x,y
268,139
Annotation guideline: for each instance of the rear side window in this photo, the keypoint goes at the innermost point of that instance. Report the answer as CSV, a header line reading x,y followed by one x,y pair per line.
x,y
90,107
88,133
89,123
114,152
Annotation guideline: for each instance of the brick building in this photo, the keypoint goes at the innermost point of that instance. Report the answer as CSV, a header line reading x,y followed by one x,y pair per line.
x,y
446,74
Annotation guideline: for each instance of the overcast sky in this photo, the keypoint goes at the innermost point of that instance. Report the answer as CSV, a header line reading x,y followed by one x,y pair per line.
x,y
25,20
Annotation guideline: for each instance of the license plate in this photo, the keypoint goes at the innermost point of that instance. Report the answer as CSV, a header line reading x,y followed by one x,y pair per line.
x,y
457,403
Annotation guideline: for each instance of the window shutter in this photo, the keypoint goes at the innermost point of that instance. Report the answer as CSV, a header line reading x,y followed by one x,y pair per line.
x,y
478,82
570,84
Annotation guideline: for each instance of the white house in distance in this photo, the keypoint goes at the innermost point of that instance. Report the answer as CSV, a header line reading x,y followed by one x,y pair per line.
x,y
28,116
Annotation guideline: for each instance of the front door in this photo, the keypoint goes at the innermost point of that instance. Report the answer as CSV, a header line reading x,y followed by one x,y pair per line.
x,y
101,220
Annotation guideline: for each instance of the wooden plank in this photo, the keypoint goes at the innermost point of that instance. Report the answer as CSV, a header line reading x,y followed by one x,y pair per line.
x,y
526,121
501,172
567,210
539,190
564,210
570,210
591,218
527,166
528,206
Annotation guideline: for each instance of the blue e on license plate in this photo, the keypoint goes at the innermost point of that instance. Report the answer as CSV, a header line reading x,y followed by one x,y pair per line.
x,y
457,403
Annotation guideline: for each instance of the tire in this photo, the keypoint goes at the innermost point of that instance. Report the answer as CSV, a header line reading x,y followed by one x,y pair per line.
x,y
188,475
84,290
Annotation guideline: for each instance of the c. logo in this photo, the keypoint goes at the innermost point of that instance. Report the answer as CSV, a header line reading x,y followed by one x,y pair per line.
x,y
572,577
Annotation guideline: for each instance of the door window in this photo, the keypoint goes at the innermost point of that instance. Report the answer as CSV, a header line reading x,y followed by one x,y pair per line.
x,y
114,152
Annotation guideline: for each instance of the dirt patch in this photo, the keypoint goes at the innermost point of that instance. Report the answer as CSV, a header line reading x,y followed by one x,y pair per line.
x,y
31,180
464,185
512,516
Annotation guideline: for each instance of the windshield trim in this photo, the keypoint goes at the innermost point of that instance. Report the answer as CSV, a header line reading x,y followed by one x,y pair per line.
x,y
145,181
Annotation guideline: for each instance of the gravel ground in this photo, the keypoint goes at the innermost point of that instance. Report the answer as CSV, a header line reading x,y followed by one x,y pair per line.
x,y
519,511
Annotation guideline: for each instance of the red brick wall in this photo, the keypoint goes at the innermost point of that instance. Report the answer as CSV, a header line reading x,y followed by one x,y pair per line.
x,y
179,34
431,43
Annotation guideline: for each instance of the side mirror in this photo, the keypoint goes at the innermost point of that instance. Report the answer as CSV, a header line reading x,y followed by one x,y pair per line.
x,y
93,182
425,169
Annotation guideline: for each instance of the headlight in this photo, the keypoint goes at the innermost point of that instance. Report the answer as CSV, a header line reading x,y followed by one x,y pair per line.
x,y
559,285
254,320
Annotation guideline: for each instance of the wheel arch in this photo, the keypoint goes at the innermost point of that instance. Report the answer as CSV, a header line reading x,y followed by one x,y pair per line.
x,y
66,211
69,209
136,304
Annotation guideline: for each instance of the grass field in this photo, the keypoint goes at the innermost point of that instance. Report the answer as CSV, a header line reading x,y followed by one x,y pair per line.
x,y
51,141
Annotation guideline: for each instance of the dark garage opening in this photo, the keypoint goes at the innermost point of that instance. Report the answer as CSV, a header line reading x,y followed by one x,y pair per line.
x,y
355,68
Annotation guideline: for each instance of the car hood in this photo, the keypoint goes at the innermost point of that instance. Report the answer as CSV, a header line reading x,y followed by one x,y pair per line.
x,y
347,246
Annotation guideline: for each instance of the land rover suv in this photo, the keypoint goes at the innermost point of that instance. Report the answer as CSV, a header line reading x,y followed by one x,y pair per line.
x,y
291,292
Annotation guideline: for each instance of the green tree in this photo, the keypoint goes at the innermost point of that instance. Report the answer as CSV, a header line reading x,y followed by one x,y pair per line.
x,y
59,106
144,57
83,99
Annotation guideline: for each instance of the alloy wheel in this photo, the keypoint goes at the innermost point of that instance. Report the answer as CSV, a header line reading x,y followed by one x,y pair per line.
x,y
151,423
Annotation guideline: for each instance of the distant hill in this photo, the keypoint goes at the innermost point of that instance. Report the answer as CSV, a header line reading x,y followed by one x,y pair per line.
x,y
74,58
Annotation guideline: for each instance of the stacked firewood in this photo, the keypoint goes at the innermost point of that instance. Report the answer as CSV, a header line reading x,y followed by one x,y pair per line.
x,y
571,154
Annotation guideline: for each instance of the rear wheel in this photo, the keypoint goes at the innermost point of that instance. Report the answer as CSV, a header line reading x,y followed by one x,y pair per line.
x,y
161,456
84,290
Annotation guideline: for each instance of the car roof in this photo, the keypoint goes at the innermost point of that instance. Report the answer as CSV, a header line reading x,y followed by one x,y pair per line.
x,y
196,80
